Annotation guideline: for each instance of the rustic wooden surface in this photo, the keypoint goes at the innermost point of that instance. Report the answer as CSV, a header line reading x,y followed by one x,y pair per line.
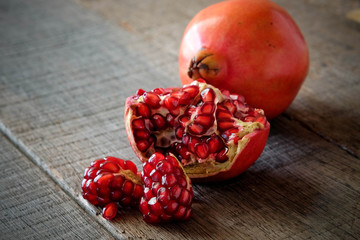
x,y
66,68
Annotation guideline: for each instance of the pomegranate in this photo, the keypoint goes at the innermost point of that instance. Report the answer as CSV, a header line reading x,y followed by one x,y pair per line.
x,y
251,48
168,191
110,181
214,134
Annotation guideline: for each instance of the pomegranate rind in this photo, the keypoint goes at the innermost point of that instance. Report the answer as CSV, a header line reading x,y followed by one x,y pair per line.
x,y
242,155
250,152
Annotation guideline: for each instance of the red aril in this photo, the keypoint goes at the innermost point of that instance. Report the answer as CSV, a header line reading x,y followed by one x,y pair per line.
x,y
215,135
249,47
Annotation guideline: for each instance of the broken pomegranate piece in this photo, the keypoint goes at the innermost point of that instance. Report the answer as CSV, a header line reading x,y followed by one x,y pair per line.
x,y
168,192
214,134
110,181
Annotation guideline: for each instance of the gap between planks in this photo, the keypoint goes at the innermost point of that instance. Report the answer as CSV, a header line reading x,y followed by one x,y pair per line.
x,y
322,136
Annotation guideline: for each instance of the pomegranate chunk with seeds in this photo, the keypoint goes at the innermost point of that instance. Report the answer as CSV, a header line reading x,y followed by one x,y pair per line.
x,y
168,191
215,135
109,181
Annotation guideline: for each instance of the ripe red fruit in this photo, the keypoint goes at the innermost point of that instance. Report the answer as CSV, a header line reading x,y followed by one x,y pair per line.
x,y
110,211
168,191
112,180
252,48
215,135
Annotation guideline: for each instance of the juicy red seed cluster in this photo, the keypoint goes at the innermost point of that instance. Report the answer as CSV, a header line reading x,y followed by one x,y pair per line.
x,y
168,193
191,116
105,181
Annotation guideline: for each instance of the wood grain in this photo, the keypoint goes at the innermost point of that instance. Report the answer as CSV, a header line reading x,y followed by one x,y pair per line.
x,y
65,74
32,206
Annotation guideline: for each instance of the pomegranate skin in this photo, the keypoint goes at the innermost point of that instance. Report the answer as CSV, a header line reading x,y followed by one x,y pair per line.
x,y
252,48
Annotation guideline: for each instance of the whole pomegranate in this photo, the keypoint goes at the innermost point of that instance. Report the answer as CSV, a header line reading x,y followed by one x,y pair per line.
x,y
214,134
252,48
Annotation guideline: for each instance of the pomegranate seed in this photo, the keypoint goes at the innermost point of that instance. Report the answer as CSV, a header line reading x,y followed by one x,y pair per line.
x,y
171,103
183,120
164,167
224,124
179,132
202,150
223,114
170,119
171,207
190,110
192,90
159,91
155,158
181,149
116,195
148,193
180,212
117,182
168,180
204,120
110,211
229,105
138,124
142,110
214,144
141,134
97,163
175,112
91,173
208,95
159,121
261,120
112,167
131,166
155,176
196,129
140,92
152,99
142,145
191,143
103,180
163,196
91,187
221,156
184,97
176,192
208,108
185,139
127,187
185,197
226,135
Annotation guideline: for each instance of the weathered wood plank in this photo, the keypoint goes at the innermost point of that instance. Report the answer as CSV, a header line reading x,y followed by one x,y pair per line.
x,y
65,74
32,206
328,102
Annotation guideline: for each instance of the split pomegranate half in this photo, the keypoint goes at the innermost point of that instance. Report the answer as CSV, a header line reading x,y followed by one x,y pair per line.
x,y
214,134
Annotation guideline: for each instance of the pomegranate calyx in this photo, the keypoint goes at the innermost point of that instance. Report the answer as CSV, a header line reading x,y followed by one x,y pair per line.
x,y
206,65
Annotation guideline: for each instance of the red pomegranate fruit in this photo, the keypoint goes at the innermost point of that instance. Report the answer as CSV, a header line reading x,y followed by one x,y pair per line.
x,y
110,181
168,190
214,134
251,48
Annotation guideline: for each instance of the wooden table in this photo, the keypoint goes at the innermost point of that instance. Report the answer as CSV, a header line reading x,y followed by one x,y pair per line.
x,y
66,68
